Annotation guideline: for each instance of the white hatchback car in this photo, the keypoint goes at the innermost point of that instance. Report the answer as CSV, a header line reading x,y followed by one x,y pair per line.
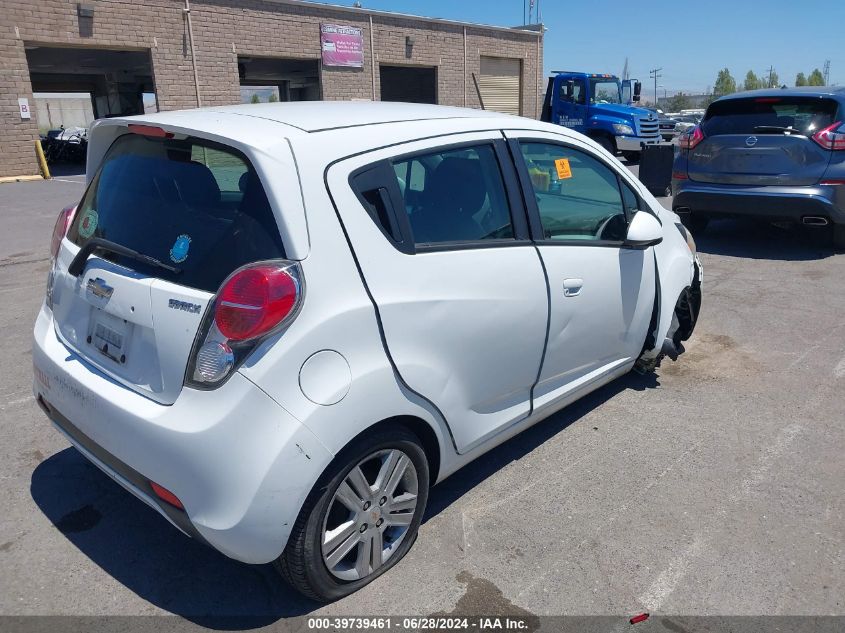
x,y
279,324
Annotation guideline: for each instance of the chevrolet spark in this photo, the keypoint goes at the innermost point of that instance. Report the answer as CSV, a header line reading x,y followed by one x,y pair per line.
x,y
278,325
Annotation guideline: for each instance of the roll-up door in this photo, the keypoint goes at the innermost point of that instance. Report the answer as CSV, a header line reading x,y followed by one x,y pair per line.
x,y
499,84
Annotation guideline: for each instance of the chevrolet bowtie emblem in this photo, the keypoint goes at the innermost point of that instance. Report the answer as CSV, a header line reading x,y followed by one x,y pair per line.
x,y
100,289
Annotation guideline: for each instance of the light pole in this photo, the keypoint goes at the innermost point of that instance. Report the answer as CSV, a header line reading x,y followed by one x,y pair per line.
x,y
654,73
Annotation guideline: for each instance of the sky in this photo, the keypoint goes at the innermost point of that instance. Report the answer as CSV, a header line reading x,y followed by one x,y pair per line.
x,y
690,41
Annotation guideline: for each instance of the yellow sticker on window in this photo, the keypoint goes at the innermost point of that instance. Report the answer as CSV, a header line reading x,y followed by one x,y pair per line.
x,y
563,170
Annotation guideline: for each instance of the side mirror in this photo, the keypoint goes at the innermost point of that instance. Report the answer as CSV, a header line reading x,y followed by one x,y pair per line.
x,y
638,88
644,231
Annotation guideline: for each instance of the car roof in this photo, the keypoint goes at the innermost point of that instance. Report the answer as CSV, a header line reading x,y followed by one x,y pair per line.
x,y
340,126
804,91
320,116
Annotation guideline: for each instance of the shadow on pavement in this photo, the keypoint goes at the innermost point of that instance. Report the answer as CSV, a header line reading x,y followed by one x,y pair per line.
x,y
58,170
452,489
760,240
142,551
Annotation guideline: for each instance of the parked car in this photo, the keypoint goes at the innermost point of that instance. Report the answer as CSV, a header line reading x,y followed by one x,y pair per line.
x,y
668,128
279,324
776,154
685,122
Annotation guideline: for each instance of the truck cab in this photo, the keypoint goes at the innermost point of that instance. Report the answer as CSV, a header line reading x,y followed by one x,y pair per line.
x,y
603,108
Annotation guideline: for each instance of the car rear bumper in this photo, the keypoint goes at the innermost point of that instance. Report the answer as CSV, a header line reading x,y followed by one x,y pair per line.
x,y
768,203
240,464
635,143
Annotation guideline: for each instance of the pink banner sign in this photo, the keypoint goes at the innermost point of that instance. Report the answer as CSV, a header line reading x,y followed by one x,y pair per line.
x,y
342,45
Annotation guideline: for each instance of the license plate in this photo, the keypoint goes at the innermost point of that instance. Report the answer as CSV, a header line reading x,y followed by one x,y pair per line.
x,y
109,335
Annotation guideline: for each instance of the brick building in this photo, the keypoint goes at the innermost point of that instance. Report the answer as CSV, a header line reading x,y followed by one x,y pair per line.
x,y
128,52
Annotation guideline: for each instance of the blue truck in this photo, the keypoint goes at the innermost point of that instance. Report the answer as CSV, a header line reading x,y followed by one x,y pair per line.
x,y
604,108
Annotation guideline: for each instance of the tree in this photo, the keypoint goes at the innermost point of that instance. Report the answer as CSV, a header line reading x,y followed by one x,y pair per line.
x,y
255,98
679,102
773,80
725,84
751,81
273,98
800,80
816,78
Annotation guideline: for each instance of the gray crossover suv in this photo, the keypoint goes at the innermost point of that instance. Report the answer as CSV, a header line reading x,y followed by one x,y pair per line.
x,y
775,154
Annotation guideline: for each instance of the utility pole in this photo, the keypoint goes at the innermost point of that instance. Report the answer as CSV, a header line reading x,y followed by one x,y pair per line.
x,y
655,74
771,72
826,72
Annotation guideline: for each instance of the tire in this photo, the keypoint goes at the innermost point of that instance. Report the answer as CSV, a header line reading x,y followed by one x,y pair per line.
x,y
839,238
606,143
631,157
695,223
305,566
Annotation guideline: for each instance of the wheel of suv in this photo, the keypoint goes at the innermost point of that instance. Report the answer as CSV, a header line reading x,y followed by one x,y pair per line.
x,y
695,223
361,518
839,238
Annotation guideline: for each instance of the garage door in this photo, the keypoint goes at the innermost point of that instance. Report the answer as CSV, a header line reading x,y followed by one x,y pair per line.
x,y
499,84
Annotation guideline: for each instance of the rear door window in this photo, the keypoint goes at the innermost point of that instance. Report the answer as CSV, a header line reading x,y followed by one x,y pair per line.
x,y
769,115
193,204
456,195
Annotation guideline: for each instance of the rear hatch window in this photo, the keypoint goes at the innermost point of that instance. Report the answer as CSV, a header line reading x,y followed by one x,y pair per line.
x,y
193,204
196,206
763,141
769,115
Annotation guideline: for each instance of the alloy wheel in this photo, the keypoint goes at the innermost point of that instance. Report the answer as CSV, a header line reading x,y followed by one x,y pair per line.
x,y
369,514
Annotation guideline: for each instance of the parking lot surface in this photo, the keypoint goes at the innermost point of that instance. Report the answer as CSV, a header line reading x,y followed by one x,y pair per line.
x,y
713,486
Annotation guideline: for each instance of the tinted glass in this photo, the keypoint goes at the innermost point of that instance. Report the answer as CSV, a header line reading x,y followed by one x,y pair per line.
x,y
767,115
194,205
455,196
577,195
578,95
630,200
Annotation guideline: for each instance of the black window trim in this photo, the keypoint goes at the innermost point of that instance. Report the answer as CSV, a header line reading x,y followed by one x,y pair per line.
x,y
536,227
406,245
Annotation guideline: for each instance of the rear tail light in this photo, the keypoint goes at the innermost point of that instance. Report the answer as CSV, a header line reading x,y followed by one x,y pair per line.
x,y
253,303
832,137
165,495
690,139
60,229
679,175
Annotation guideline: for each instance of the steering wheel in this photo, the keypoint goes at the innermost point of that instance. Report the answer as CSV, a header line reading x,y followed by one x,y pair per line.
x,y
604,225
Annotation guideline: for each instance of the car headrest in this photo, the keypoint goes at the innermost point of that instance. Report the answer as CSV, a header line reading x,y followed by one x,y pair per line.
x,y
457,183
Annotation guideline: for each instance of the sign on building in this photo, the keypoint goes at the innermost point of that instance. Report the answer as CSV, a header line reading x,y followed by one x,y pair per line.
x,y
342,45
23,106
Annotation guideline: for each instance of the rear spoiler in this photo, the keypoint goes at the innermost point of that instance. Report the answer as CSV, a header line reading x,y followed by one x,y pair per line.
x,y
546,114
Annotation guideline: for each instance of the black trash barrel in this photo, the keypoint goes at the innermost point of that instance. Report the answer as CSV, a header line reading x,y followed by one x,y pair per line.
x,y
656,168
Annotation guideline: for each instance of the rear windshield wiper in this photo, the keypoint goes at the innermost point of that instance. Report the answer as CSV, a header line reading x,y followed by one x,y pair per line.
x,y
777,128
99,244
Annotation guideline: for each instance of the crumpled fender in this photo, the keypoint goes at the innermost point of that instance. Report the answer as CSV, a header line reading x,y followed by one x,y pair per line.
x,y
675,270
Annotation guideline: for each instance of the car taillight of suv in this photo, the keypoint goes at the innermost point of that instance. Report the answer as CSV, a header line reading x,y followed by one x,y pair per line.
x,y
832,137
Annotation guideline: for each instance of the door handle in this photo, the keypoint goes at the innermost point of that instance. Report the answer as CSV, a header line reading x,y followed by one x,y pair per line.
x,y
572,287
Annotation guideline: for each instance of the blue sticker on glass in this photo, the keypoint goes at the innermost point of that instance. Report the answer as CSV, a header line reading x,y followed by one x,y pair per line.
x,y
179,252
